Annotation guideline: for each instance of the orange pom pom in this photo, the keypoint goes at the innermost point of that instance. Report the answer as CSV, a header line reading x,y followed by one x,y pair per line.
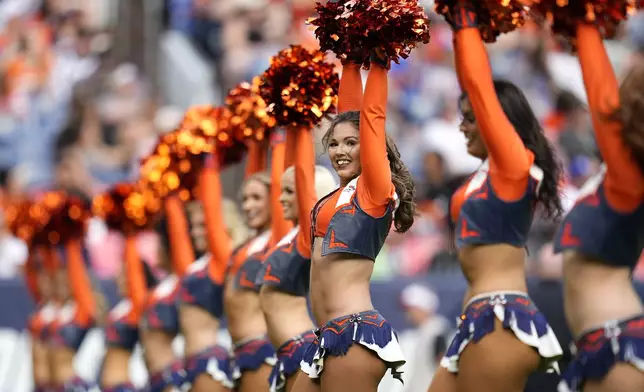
x,y
127,209
353,29
66,217
300,87
251,117
564,15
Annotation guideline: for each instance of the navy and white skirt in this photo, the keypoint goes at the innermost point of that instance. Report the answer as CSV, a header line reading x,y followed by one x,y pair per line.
x,y
368,329
517,312
289,356
598,350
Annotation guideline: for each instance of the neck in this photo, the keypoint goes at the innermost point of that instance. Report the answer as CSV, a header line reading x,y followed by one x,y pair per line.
x,y
345,181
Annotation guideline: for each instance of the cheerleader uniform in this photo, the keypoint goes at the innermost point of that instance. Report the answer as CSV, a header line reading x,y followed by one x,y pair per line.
x,y
495,206
203,284
252,352
288,265
356,220
161,311
607,222
75,317
40,330
122,329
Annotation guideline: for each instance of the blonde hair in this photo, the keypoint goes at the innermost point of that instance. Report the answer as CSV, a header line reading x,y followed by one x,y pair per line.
x,y
324,181
263,177
234,223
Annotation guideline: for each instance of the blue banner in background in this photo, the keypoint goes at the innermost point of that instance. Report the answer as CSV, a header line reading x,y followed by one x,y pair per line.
x,y
16,303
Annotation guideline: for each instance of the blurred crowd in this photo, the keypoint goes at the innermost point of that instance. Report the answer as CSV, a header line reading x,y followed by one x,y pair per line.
x,y
73,117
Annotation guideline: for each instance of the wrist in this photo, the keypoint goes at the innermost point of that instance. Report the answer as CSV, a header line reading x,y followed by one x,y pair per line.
x,y
277,136
463,15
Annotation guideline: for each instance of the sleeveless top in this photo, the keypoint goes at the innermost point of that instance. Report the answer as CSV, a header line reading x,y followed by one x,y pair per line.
x,y
66,330
482,217
597,230
246,276
285,268
350,229
119,332
41,321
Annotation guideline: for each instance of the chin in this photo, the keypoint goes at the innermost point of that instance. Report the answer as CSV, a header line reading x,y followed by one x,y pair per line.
x,y
347,174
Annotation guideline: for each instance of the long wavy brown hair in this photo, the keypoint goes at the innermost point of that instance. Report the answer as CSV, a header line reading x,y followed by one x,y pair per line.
x,y
400,176
631,113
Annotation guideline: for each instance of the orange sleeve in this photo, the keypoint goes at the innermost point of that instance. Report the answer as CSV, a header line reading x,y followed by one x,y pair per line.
x,y
289,158
31,277
135,277
256,160
508,156
216,233
350,92
375,181
181,252
79,281
624,183
304,187
279,226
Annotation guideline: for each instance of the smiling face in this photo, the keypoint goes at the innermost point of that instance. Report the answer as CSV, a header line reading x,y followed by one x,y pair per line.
x,y
470,129
255,204
288,199
344,152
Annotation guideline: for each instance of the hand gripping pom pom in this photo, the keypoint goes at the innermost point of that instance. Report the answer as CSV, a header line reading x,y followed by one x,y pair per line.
x,y
66,217
251,118
127,209
564,15
300,87
353,29
494,17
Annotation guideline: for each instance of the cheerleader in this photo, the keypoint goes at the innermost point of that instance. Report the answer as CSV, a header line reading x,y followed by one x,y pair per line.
x,y
38,280
207,364
601,237
159,323
77,314
355,345
253,353
121,330
502,337
285,273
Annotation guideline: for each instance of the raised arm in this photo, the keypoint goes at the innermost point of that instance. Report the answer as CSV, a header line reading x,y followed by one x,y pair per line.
x,y
181,252
624,181
375,183
304,186
350,92
135,277
279,225
217,235
507,154
256,160
289,157
80,283
31,277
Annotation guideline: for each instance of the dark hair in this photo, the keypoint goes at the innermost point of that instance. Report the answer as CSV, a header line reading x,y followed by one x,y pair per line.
x,y
518,111
150,279
567,102
630,113
400,176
